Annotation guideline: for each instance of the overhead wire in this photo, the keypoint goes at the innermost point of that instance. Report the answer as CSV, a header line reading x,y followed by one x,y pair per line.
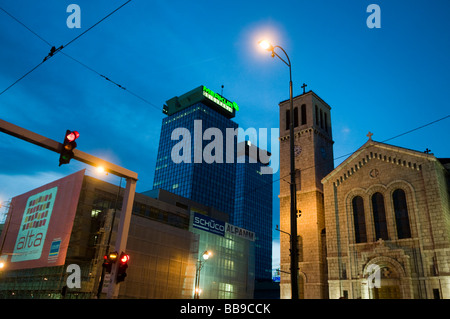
x,y
348,154
146,101
113,82
53,49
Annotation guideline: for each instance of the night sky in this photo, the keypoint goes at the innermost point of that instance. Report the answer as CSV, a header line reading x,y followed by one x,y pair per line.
x,y
388,80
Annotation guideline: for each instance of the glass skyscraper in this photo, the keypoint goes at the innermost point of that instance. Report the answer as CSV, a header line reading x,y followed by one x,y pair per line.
x,y
180,166
253,206
237,188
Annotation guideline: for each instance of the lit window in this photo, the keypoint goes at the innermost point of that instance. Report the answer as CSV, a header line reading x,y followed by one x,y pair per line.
x,y
94,212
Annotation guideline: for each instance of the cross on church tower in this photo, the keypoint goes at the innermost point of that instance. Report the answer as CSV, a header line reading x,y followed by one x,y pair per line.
x,y
304,87
369,135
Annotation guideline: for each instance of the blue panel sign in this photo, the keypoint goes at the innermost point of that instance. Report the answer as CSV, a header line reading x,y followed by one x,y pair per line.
x,y
54,248
208,224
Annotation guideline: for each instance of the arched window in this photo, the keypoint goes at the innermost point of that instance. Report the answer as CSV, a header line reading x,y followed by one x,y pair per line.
x,y
359,220
288,119
379,216
295,116
401,214
317,116
321,119
303,114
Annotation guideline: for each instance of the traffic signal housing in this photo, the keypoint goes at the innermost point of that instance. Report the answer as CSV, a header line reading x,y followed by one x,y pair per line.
x,y
108,261
69,144
122,269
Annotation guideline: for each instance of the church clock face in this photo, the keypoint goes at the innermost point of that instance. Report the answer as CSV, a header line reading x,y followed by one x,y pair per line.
x,y
297,150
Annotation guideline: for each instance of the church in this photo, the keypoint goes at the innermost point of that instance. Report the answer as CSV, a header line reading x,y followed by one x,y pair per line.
x,y
375,227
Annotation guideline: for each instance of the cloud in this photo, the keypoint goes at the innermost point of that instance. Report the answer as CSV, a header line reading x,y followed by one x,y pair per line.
x,y
19,184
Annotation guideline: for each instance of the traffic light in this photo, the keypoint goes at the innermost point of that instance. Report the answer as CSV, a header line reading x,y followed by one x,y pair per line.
x,y
107,264
69,145
108,260
123,265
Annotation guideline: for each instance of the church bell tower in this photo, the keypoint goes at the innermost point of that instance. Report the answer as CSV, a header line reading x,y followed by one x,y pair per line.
x,y
313,151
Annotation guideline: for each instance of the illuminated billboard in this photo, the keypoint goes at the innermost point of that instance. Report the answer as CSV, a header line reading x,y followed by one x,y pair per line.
x,y
40,223
204,95
208,224
218,227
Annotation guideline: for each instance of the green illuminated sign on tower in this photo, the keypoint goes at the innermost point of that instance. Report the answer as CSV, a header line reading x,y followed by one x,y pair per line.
x,y
204,95
219,99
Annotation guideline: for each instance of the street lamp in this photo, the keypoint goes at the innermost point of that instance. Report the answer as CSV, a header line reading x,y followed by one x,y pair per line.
x,y
100,169
206,255
294,254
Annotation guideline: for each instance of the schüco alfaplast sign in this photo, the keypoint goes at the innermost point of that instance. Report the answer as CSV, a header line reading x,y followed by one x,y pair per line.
x,y
220,100
218,227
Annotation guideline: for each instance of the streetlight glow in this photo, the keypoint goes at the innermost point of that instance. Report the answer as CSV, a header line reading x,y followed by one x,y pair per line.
x,y
265,45
207,254
200,263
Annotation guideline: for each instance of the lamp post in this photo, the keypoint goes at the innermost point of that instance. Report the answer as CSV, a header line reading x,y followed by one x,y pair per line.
x,y
206,254
293,238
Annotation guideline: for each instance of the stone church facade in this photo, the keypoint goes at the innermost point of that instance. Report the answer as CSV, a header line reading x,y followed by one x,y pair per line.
x,y
376,226
388,225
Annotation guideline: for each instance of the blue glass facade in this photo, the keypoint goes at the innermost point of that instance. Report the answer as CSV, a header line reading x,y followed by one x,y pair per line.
x,y
237,189
253,211
210,184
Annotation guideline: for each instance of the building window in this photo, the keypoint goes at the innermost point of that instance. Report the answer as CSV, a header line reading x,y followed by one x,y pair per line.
x,y
317,116
379,216
288,119
303,114
359,220
321,119
401,214
326,122
295,116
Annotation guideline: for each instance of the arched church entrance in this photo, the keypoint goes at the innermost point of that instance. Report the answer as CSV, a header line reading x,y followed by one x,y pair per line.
x,y
384,279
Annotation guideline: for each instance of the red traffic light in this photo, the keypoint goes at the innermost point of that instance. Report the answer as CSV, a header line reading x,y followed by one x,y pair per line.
x,y
124,258
72,136
69,144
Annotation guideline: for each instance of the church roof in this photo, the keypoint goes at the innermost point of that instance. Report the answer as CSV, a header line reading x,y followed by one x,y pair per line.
x,y
341,168
310,92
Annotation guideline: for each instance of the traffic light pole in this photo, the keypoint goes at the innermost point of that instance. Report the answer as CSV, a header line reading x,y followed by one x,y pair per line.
x,y
52,145
122,234
128,197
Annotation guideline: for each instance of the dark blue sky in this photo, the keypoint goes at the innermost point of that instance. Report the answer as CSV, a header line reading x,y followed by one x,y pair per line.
x,y
387,81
